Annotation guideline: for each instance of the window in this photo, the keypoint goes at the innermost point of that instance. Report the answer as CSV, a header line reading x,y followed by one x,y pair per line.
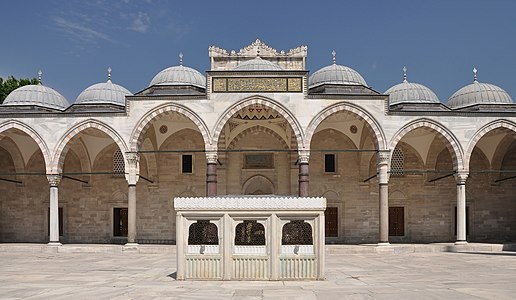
x,y
61,221
186,164
118,164
250,233
203,232
329,163
397,162
297,232
120,221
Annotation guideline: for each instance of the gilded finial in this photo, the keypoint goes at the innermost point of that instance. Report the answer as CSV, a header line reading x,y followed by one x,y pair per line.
x,y
475,74
181,58
39,76
109,73
334,54
404,73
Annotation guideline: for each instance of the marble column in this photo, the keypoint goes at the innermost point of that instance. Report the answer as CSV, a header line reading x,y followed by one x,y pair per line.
x,y
304,179
383,182
461,177
54,180
211,174
132,167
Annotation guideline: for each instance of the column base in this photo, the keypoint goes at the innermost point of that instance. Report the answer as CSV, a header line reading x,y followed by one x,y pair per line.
x,y
131,247
54,244
383,244
461,243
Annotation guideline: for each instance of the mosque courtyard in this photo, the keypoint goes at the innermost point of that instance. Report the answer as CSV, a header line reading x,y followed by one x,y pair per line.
x,y
352,272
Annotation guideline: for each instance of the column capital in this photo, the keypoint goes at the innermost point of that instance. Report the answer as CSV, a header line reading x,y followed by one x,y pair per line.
x,y
132,158
132,167
211,157
304,156
383,157
54,179
461,177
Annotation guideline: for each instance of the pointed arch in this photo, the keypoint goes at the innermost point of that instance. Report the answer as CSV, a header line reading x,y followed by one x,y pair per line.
x,y
452,144
34,135
380,141
257,99
146,121
258,183
63,146
502,123
258,128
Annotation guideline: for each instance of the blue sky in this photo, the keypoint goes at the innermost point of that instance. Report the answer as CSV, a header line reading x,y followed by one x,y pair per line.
x,y
74,41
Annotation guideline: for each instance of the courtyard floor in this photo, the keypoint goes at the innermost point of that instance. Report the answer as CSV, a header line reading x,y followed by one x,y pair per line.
x,y
32,272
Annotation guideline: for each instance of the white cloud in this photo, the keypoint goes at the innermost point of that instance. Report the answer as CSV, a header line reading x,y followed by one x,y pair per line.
x,y
80,32
141,23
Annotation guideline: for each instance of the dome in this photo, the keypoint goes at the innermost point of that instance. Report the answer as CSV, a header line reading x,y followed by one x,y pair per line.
x,y
409,92
336,74
37,94
179,75
479,93
104,92
258,64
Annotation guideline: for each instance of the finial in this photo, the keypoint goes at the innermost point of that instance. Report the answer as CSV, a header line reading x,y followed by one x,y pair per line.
x,y
109,73
404,73
334,54
39,76
181,58
475,74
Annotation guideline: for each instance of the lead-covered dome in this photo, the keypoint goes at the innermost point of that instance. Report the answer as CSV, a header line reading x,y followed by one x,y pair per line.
x,y
258,64
104,92
479,93
410,92
179,75
38,95
336,74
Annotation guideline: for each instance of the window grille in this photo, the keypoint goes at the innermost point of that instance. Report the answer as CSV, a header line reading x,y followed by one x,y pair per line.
x,y
250,233
118,164
397,162
203,232
297,232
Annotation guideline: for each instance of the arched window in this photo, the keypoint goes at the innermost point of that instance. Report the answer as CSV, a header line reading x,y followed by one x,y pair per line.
x,y
203,232
250,233
297,232
118,164
397,162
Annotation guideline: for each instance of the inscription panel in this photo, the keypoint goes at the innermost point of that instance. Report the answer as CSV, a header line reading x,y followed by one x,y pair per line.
x,y
259,161
257,84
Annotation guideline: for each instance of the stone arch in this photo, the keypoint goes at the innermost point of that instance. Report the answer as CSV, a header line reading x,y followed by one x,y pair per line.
x,y
331,195
34,135
145,122
13,150
452,144
380,140
258,180
270,103
62,145
482,132
254,129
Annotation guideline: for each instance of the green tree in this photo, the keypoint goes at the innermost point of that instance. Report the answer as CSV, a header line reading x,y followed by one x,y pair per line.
x,y
11,83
